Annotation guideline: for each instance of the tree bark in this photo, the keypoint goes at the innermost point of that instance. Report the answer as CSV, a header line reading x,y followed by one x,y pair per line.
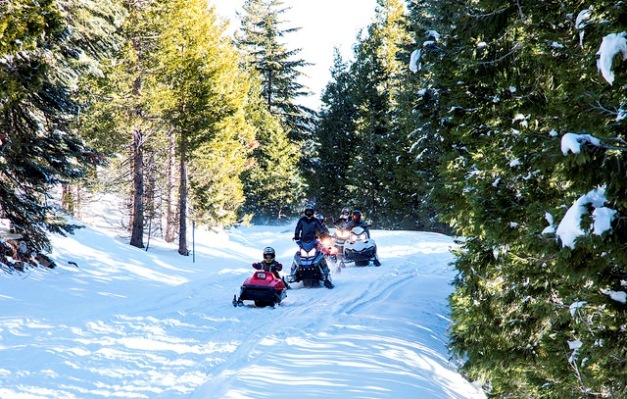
x,y
183,199
137,228
137,161
170,213
67,199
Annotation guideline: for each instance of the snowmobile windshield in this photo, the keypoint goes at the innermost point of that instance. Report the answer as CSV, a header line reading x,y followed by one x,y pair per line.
x,y
358,234
307,253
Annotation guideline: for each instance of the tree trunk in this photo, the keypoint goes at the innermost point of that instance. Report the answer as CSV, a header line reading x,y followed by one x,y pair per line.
x,y
78,202
67,199
183,200
137,229
170,212
137,161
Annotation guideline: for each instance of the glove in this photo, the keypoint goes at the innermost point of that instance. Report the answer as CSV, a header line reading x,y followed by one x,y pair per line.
x,y
294,238
256,265
278,267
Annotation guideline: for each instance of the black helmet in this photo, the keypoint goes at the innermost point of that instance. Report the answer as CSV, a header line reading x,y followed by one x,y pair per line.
x,y
356,215
309,210
268,253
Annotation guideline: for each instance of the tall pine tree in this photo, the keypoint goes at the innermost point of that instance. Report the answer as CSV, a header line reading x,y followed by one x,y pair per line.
x,y
38,148
278,70
202,94
377,72
511,80
335,137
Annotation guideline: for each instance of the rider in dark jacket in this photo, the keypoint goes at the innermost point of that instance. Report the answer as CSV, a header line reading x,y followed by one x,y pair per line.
x,y
308,227
357,221
325,229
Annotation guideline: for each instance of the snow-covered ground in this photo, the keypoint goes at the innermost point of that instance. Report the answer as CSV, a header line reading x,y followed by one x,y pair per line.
x,y
129,323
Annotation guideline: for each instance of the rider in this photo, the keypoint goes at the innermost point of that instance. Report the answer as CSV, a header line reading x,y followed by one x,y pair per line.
x,y
344,218
307,229
269,263
325,229
358,221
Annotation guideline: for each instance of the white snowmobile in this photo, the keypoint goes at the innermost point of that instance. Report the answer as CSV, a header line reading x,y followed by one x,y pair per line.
x,y
360,248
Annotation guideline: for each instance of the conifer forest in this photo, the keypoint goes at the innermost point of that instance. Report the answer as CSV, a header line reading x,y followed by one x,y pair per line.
x,y
494,121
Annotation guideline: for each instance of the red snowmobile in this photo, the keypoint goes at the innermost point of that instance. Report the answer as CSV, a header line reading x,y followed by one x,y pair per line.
x,y
264,288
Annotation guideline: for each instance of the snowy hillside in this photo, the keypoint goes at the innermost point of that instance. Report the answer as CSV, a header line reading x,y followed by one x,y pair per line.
x,y
128,323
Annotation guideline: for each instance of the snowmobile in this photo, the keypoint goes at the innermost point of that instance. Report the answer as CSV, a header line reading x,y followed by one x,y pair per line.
x,y
307,265
264,288
327,247
360,248
340,236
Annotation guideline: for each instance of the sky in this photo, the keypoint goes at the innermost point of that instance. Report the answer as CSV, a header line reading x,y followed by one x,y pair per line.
x,y
131,323
324,24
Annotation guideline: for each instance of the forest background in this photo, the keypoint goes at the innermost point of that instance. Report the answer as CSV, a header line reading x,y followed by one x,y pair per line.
x,y
450,117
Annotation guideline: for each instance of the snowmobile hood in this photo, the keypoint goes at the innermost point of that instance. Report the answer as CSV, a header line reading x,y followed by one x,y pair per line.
x,y
308,245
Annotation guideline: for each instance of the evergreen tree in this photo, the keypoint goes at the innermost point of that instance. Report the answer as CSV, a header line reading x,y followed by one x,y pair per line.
x,y
272,182
273,176
377,71
511,78
39,69
417,131
202,96
260,40
335,139
121,118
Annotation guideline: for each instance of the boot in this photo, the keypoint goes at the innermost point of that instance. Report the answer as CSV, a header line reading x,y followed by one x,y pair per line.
x,y
327,283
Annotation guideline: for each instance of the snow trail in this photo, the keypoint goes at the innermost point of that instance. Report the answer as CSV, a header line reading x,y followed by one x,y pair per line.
x,y
135,324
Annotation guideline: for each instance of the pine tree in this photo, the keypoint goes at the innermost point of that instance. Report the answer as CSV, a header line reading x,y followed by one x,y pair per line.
x,y
420,143
272,182
202,95
335,139
39,70
511,79
260,40
122,119
273,176
377,72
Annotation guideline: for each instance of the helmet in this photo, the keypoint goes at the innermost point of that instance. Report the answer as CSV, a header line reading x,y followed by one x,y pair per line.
x,y
356,215
309,210
320,217
268,254
345,213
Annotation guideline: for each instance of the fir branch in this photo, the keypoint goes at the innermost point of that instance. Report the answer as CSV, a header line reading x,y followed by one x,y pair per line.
x,y
488,15
517,46
520,11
